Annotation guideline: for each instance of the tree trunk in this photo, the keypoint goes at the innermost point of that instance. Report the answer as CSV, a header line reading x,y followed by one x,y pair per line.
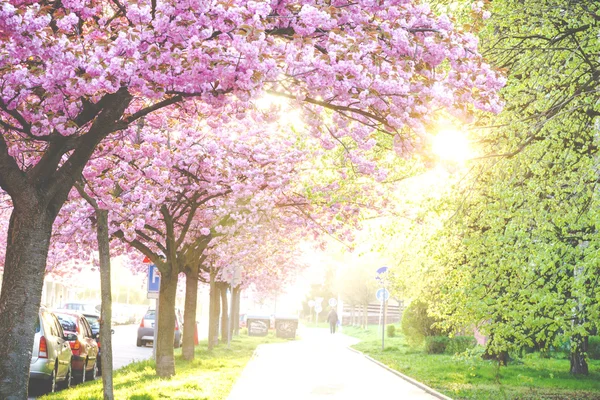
x,y
366,315
189,313
106,306
579,346
29,233
236,310
351,315
214,311
165,337
224,311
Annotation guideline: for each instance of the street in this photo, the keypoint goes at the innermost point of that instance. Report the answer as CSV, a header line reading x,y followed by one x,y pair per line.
x,y
319,366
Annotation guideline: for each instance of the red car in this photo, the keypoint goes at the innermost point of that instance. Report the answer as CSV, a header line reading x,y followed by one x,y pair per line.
x,y
84,362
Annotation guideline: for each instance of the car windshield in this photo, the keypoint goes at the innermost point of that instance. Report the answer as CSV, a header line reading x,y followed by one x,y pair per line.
x,y
93,321
68,322
149,314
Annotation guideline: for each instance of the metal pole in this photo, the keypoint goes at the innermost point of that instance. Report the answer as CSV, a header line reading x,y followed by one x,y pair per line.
x,y
383,323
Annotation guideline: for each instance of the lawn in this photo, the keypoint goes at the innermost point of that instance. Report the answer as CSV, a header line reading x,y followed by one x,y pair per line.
x,y
470,377
210,376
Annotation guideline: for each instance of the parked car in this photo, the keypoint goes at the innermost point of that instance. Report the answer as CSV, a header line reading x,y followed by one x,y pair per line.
x,y
51,355
146,329
94,320
84,362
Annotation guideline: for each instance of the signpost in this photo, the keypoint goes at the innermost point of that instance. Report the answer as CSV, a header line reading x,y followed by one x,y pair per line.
x,y
153,293
382,295
318,308
311,304
332,302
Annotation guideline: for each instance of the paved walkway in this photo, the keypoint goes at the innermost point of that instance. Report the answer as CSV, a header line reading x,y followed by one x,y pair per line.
x,y
319,366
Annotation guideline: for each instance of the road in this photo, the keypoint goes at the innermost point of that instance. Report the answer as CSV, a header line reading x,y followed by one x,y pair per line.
x,y
124,349
319,366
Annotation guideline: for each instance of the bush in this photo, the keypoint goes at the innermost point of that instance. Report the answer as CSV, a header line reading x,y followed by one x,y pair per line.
x,y
391,331
436,344
243,331
594,347
416,324
460,344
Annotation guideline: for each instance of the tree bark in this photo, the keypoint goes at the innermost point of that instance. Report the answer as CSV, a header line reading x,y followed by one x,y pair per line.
x,y
214,311
236,310
579,346
28,241
106,305
224,311
189,313
165,360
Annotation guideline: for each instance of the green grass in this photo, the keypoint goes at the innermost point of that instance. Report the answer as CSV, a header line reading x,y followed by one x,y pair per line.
x,y
463,377
210,376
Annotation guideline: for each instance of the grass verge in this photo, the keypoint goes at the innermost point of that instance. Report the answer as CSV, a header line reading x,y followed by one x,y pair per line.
x,y
210,376
466,376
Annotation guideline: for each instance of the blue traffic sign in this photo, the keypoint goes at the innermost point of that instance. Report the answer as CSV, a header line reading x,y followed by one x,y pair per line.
x,y
382,270
383,293
153,279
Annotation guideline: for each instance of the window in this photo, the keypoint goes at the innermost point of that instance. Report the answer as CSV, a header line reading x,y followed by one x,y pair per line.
x,y
68,322
87,331
49,326
58,327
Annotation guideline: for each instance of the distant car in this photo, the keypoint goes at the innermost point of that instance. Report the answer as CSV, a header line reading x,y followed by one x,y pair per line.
x,y
82,307
51,355
84,362
146,329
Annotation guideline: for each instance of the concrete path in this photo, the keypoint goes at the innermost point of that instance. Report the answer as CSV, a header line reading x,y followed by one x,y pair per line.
x,y
319,366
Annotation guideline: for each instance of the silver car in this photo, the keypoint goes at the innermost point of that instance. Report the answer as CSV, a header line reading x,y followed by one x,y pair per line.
x,y
145,332
51,356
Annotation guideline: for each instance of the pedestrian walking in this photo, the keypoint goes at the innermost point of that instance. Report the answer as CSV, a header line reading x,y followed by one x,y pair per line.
x,y
332,317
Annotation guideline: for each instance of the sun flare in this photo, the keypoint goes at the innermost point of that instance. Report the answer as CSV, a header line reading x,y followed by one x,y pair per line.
x,y
451,145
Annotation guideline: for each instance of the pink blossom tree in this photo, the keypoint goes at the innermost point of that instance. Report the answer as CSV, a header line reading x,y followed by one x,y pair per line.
x,y
73,73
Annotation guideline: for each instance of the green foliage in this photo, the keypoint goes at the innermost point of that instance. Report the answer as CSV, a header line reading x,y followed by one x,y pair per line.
x,y
594,347
460,344
417,324
436,344
468,376
391,331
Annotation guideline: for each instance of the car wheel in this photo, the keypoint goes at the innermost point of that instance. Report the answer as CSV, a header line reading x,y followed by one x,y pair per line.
x,y
68,379
93,374
83,371
51,385
139,342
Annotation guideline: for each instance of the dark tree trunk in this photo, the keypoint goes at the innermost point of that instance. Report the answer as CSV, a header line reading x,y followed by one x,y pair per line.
x,y
214,311
579,347
224,311
189,314
106,307
165,361
28,241
236,298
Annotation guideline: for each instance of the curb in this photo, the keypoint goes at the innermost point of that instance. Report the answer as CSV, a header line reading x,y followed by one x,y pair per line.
x,y
410,380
